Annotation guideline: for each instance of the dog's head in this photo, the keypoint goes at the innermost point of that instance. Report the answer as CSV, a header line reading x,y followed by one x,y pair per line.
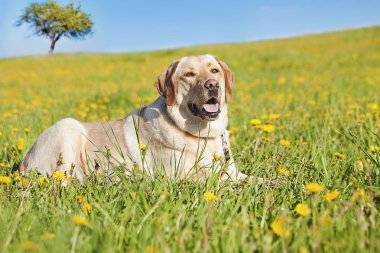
x,y
195,89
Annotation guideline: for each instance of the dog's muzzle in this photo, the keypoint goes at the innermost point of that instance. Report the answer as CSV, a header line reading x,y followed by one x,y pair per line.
x,y
212,86
208,111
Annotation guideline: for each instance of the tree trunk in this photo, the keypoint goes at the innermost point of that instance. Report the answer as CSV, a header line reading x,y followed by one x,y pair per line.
x,y
52,45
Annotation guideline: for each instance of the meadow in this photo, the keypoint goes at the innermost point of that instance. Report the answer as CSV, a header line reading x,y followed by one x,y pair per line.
x,y
305,111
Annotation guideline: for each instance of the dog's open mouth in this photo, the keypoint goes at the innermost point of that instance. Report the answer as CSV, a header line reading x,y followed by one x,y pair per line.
x,y
208,111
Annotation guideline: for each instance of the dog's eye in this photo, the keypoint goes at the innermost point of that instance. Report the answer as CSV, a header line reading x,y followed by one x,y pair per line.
x,y
189,74
214,70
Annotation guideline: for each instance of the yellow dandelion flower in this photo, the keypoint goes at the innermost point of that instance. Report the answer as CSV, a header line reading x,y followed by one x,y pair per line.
x,y
14,130
354,106
312,102
7,114
26,130
217,157
29,245
279,226
210,197
86,208
274,116
106,100
314,187
15,111
5,180
263,116
374,149
42,181
339,155
282,171
361,118
330,196
285,143
24,182
303,210
378,126
94,106
143,147
79,220
59,176
266,138
82,198
281,80
373,106
82,114
255,122
20,144
233,130
268,128
17,178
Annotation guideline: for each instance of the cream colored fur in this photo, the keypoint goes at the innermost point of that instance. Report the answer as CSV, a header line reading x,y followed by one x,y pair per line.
x,y
174,137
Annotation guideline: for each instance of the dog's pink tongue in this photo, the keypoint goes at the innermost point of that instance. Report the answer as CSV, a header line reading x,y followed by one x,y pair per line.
x,y
211,107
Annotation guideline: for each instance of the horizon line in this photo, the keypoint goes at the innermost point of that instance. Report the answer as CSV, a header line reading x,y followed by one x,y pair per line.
x,y
197,45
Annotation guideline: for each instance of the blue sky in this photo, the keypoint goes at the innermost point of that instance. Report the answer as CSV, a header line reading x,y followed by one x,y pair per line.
x,y
139,25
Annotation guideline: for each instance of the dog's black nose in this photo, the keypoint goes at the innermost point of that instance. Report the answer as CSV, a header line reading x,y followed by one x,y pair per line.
x,y
212,85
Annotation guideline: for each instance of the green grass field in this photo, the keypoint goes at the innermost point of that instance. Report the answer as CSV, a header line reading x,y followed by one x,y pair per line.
x,y
305,110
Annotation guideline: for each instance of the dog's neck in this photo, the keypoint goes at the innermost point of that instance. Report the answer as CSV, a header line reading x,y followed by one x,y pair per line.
x,y
194,126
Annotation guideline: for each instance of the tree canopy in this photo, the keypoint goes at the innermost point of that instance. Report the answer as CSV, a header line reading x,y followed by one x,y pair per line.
x,y
54,21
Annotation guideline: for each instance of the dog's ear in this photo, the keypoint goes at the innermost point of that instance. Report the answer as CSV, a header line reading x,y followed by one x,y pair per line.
x,y
228,77
165,84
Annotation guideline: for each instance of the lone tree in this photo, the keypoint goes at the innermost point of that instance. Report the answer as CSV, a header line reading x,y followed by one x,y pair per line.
x,y
54,21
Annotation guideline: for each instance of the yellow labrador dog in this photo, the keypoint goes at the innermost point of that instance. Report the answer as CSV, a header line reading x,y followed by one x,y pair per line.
x,y
179,134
